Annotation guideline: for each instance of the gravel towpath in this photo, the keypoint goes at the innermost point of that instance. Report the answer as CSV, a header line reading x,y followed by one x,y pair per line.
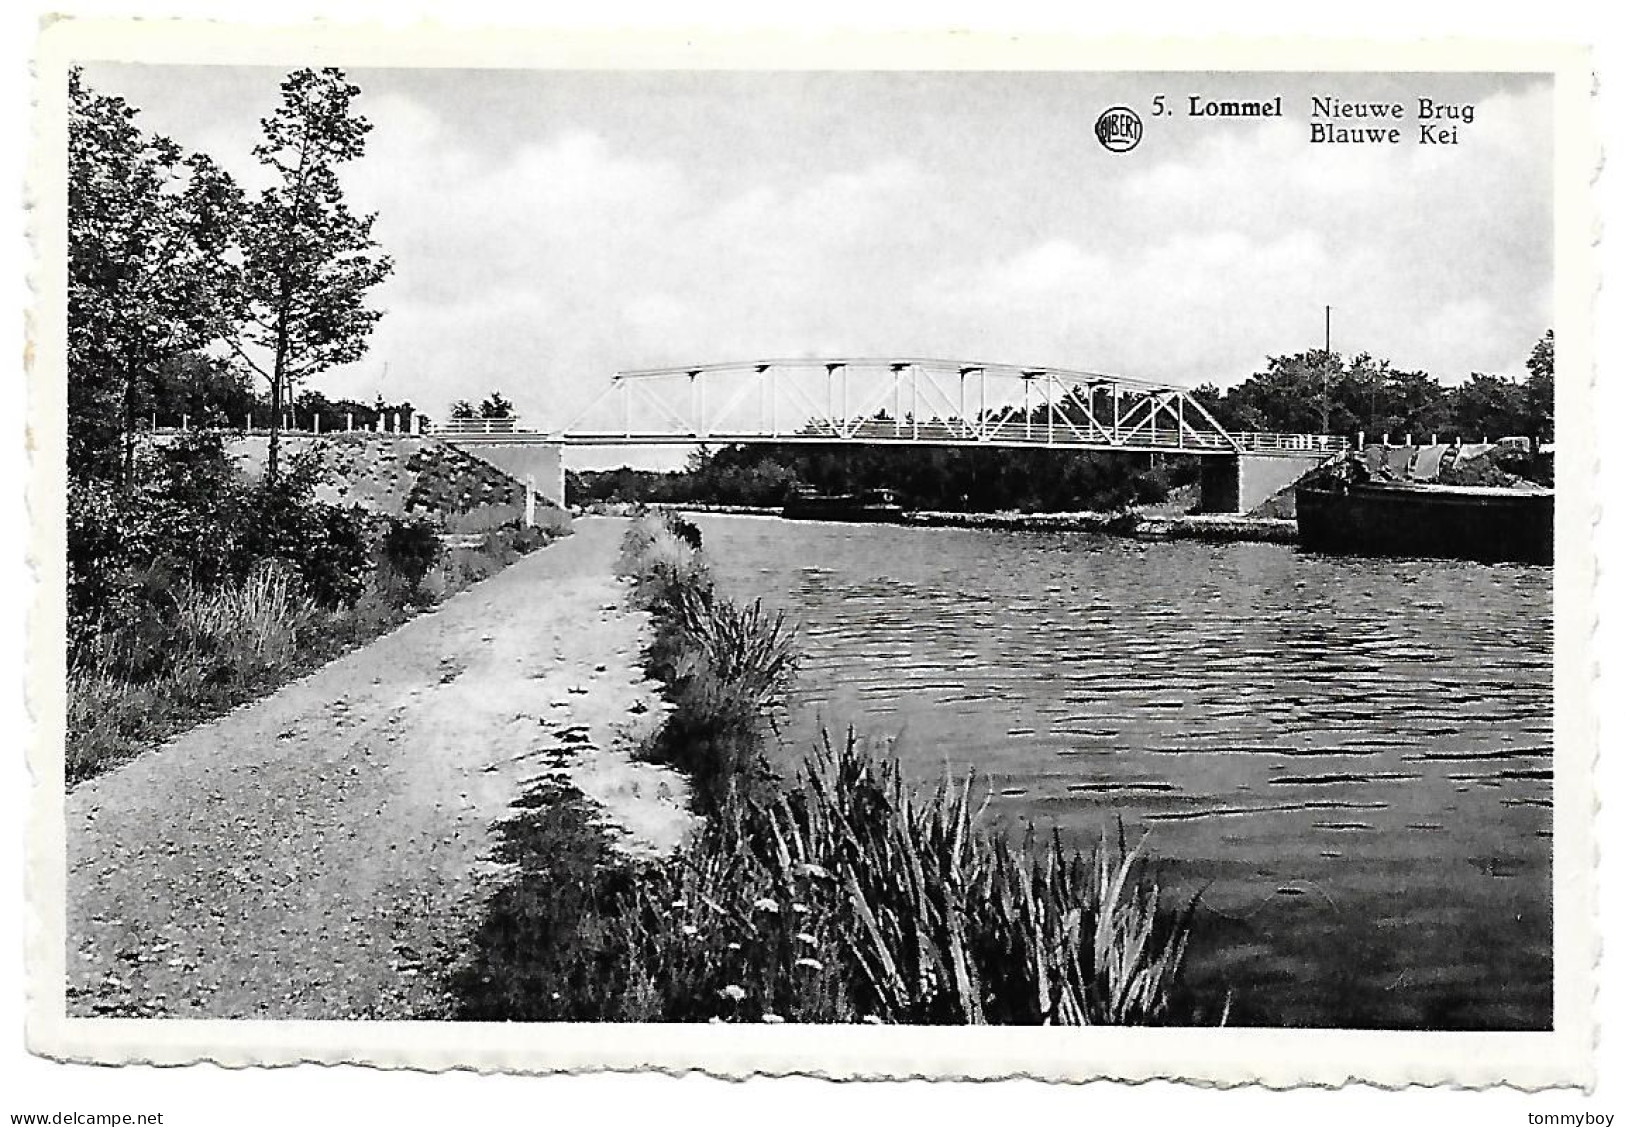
x,y
325,852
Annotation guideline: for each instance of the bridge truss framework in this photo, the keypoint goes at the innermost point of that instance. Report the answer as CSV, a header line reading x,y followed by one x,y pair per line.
x,y
910,401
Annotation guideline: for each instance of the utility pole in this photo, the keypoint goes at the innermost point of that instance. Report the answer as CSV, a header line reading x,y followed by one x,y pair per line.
x,y
1325,378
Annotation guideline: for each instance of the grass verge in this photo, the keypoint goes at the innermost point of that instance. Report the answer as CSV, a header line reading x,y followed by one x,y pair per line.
x,y
842,895
217,649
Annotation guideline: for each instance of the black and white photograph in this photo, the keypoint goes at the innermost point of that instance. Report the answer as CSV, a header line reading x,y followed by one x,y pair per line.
x,y
564,556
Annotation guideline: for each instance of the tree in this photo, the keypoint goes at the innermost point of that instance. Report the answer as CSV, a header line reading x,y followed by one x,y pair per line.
x,y
462,409
1488,405
148,231
308,262
205,390
495,406
1362,394
1540,392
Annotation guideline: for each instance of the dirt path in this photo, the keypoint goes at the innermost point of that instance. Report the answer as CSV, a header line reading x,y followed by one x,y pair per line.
x,y
323,852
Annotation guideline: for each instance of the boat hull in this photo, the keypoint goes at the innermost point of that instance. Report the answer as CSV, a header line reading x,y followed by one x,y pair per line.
x,y
871,506
831,509
1502,526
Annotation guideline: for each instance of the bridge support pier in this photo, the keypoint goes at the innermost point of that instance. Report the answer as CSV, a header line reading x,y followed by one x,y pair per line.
x,y
1242,482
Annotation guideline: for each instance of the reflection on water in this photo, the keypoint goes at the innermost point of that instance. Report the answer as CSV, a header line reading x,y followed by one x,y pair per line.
x,y
1350,759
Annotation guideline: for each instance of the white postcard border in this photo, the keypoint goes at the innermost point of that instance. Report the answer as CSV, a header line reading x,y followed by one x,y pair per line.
x,y
1277,1058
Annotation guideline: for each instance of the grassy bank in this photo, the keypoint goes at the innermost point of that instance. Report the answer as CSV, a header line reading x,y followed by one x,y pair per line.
x,y
844,894
203,650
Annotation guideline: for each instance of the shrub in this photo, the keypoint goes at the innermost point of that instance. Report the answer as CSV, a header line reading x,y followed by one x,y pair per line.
x,y
1151,486
328,546
190,519
210,649
410,548
552,521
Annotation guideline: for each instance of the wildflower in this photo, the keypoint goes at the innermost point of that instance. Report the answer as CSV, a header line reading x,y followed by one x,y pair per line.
x,y
678,905
772,1019
733,946
798,906
808,869
765,904
810,964
733,993
809,940
690,930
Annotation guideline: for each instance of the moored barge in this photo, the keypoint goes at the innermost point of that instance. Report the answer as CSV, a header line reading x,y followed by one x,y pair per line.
x,y
1492,524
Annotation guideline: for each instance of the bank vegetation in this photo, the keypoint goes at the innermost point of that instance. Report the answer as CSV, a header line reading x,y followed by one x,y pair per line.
x,y
195,588
842,894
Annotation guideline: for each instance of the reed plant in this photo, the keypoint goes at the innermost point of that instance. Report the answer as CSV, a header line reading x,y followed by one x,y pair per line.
x,y
950,923
854,897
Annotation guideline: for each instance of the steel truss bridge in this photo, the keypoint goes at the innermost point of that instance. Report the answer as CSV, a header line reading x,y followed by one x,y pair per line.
x,y
895,401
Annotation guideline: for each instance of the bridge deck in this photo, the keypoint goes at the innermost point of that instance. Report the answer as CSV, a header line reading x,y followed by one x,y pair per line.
x,y
1158,440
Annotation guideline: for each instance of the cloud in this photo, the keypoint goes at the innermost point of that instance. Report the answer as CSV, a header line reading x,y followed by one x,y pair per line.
x,y
1435,256
543,269
1197,303
575,240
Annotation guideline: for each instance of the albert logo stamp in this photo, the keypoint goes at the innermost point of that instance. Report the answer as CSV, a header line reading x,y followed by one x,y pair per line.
x,y
1118,129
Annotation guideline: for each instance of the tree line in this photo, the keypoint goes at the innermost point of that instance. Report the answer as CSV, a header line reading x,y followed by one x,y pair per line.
x,y
1324,392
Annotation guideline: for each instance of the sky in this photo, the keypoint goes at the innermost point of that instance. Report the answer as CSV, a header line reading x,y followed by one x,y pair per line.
x,y
552,227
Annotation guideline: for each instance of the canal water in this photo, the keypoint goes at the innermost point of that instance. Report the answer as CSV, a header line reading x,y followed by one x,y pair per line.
x,y
1349,759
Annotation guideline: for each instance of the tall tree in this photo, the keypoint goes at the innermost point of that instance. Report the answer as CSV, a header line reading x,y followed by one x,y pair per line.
x,y
148,232
308,261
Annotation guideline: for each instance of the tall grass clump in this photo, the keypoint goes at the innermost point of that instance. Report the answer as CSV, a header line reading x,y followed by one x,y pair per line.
x,y
841,895
211,648
245,626
853,897
945,923
726,666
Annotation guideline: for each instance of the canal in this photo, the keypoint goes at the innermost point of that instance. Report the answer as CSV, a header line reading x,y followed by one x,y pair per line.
x,y
1350,760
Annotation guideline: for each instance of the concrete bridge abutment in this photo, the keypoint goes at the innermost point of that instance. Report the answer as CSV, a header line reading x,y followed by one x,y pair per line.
x,y
539,465
1241,483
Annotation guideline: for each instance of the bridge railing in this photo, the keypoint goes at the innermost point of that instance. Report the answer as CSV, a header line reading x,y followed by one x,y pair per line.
x,y
1273,442
464,428
952,432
